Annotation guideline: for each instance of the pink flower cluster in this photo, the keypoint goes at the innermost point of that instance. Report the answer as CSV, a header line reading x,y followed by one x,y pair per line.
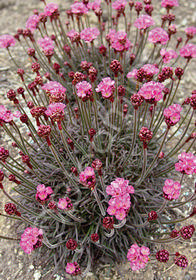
x,y
119,5
169,3
89,34
94,5
7,116
138,256
73,268
186,164
143,22
148,71
190,31
31,239
7,41
168,55
106,87
119,41
79,9
50,9
171,189
158,36
46,43
74,36
32,22
84,90
65,203
55,111
188,51
87,177
172,114
120,202
151,91
43,193
53,87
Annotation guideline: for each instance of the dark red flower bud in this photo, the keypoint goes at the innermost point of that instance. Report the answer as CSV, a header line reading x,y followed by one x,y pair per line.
x,y
145,134
187,231
152,216
162,256
74,170
10,209
193,101
11,95
30,104
181,261
132,58
136,100
4,154
125,110
21,72
116,67
91,132
174,233
44,132
138,7
70,143
102,50
95,237
108,222
12,178
71,244
1,175
24,118
35,67
179,72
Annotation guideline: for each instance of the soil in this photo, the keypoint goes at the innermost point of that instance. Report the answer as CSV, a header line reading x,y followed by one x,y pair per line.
x,y
14,264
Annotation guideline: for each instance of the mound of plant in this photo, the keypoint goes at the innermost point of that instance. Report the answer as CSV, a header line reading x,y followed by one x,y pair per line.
x,y
98,131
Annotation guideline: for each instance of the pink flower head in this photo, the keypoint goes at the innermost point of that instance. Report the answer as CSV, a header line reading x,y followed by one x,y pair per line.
x,y
188,51
168,55
172,114
31,239
87,177
50,9
74,36
120,42
94,5
186,164
106,87
89,34
79,9
56,112
84,90
158,36
70,268
53,87
65,204
7,116
7,41
32,22
132,74
138,256
43,193
143,22
151,91
190,31
119,187
169,3
171,189
110,36
120,202
119,5
46,43
73,268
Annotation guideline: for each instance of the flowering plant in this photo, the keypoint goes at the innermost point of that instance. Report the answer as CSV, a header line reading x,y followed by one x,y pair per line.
x,y
101,116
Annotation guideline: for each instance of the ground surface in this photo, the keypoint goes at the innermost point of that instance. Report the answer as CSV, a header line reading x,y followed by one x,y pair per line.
x,y
14,264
